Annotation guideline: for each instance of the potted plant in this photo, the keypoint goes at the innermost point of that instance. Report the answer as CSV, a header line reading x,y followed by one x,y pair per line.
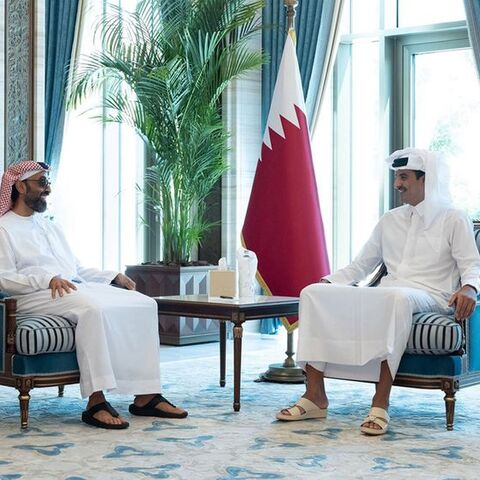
x,y
162,70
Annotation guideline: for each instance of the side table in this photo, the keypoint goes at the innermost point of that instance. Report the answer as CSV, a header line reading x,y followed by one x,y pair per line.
x,y
236,311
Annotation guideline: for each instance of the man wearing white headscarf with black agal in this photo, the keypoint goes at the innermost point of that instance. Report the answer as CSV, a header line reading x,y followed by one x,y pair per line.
x,y
116,332
360,333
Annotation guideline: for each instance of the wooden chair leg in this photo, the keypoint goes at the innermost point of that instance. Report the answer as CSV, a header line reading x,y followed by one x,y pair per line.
x,y
61,389
449,407
24,398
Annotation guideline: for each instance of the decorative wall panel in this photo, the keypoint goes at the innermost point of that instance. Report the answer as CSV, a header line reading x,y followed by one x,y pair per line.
x,y
19,51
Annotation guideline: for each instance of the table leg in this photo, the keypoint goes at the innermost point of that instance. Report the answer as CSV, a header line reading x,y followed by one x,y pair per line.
x,y
237,364
223,342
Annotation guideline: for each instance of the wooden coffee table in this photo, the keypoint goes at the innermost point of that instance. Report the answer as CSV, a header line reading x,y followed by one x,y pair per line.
x,y
228,310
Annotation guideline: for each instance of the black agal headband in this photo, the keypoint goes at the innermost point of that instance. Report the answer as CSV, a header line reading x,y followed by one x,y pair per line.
x,y
400,162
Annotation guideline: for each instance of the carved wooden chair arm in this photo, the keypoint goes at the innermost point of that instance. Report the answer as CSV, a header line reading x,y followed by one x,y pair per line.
x,y
10,323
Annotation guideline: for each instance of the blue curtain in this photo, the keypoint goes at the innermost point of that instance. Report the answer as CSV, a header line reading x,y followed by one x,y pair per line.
x,y
472,9
316,23
60,21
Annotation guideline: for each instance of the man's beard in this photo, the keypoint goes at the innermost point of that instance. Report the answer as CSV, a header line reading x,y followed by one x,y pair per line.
x,y
36,202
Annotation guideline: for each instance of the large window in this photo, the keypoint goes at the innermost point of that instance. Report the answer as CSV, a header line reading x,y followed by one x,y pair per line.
x,y
404,76
441,101
95,196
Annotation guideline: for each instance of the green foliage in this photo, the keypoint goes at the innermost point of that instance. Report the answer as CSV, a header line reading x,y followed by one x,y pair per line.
x,y
162,70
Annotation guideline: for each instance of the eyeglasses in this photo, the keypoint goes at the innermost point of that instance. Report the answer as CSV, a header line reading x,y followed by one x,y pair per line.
x,y
43,182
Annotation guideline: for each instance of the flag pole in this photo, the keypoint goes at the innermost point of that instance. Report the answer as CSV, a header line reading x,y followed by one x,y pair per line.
x,y
291,6
288,371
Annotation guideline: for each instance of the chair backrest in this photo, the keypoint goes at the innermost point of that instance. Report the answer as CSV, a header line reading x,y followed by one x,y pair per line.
x,y
476,230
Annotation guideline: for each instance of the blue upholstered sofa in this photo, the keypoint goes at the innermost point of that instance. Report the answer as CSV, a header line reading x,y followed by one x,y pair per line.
x,y
39,351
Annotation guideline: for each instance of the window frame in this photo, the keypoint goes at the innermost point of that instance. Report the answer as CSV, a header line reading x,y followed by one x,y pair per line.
x,y
405,47
396,49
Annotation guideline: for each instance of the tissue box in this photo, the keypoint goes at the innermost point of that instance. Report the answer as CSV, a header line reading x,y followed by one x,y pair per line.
x,y
222,283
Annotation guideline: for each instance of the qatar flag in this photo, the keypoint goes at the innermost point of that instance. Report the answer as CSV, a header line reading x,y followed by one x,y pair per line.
x,y
283,224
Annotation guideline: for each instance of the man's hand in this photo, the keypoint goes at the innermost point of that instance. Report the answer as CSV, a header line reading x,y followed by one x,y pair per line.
x,y
123,281
464,300
60,285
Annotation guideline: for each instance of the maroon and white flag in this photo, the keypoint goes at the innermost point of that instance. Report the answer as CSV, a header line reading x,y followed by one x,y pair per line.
x,y
283,224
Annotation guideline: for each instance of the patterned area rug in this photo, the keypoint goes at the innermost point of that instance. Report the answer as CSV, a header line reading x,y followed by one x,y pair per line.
x,y
216,443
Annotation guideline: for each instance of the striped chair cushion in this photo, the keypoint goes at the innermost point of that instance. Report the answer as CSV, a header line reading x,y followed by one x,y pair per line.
x,y
44,334
434,334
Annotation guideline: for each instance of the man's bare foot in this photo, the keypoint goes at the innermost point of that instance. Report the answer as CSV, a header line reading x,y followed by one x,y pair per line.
x,y
159,403
106,415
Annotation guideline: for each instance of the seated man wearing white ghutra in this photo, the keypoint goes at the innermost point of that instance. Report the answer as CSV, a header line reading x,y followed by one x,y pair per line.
x,y
360,333
116,332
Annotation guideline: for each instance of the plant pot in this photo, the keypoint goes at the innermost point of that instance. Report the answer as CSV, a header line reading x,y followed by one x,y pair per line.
x,y
157,280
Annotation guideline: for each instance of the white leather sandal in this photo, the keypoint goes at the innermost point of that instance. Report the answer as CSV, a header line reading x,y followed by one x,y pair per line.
x,y
378,416
302,410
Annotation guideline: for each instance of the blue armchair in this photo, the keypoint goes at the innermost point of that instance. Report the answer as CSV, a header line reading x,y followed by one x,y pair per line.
x,y
35,351
441,353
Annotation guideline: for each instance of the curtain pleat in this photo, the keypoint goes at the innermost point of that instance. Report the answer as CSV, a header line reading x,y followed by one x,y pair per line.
x,y
60,19
317,28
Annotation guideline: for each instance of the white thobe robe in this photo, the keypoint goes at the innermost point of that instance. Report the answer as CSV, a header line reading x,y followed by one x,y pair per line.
x,y
116,333
346,331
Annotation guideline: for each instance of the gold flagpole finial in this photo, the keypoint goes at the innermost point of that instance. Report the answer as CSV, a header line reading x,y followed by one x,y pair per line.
x,y
291,5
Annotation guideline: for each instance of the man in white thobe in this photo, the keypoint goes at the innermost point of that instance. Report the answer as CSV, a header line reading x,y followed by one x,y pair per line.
x,y
116,333
360,333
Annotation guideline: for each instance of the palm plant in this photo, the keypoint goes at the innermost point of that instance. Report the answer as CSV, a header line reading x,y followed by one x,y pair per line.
x,y
162,70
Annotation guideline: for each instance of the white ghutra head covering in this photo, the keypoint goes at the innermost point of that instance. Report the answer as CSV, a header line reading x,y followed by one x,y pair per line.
x,y
437,177
18,171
